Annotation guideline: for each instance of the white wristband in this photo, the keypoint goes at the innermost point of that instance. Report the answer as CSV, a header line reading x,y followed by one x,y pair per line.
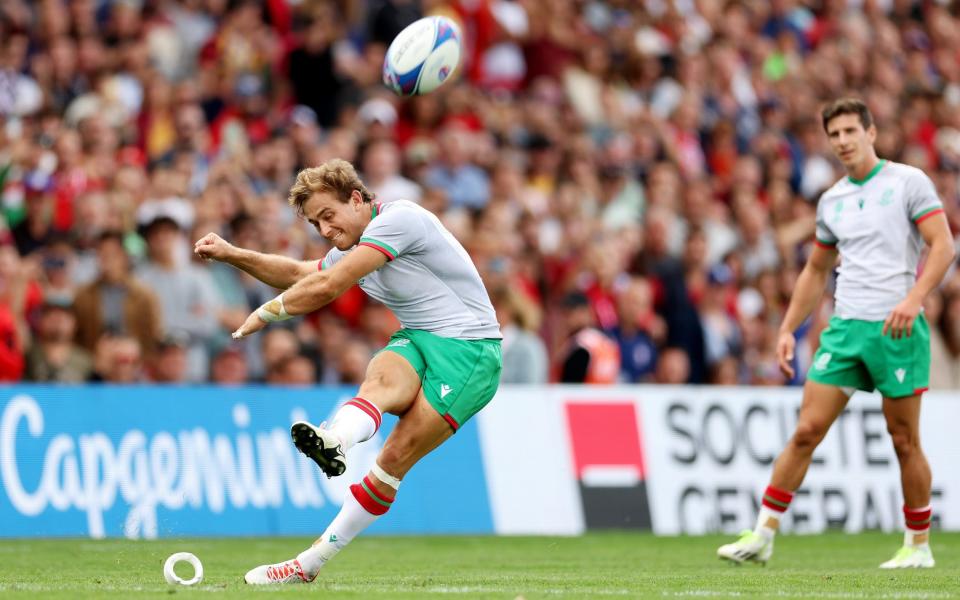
x,y
273,311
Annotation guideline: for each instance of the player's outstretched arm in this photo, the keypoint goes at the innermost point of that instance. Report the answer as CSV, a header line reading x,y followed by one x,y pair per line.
x,y
272,269
936,233
806,295
314,291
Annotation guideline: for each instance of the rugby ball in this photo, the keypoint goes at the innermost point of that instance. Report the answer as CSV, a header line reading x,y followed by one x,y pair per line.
x,y
423,56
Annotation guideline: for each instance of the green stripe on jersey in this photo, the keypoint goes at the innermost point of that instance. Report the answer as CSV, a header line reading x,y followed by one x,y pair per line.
x,y
379,244
826,243
870,175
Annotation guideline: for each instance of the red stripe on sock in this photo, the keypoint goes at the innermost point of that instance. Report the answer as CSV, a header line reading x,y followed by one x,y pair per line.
x,y
375,491
368,408
778,494
369,504
917,519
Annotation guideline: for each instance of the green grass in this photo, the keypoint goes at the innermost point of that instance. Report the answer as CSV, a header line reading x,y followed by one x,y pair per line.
x,y
593,566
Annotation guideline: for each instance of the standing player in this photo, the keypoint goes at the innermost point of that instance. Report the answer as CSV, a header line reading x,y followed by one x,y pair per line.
x,y
877,219
435,373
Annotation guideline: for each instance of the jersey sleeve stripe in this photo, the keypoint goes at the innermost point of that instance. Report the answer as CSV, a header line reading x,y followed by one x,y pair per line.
x,y
927,213
320,265
385,248
824,243
376,246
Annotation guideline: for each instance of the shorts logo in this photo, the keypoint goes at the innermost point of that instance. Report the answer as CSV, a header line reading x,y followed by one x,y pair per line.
x,y
823,361
444,390
900,373
332,538
399,343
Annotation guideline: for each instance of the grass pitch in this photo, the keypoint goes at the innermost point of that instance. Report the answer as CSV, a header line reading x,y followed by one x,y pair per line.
x,y
593,566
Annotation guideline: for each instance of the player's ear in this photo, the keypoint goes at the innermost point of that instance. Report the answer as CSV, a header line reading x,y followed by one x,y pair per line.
x,y
872,133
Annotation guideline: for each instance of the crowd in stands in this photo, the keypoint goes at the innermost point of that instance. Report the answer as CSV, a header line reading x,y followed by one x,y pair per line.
x,y
635,181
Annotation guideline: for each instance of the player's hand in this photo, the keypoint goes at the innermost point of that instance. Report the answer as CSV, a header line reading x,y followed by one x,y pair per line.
x,y
900,320
252,325
785,346
213,247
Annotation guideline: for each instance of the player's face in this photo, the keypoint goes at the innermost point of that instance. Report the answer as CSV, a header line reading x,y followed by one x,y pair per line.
x,y
851,143
341,223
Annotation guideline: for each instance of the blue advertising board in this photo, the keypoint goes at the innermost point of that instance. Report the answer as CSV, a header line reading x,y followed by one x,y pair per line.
x,y
146,462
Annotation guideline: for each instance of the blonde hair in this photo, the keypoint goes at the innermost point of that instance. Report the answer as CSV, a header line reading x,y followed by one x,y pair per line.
x,y
335,176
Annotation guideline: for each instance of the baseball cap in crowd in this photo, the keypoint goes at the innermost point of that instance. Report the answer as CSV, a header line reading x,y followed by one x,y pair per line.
x,y
176,210
303,116
720,274
248,85
379,110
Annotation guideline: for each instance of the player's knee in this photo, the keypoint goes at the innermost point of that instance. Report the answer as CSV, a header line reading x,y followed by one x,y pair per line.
x,y
395,457
808,434
905,442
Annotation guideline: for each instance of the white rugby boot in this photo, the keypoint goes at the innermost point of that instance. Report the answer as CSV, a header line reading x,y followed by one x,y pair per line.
x,y
286,572
750,547
911,557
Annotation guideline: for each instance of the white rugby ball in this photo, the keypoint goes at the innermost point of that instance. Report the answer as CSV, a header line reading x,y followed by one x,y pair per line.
x,y
423,56
173,578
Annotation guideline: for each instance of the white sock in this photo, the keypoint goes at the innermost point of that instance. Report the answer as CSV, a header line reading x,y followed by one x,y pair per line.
x,y
355,422
908,538
761,527
349,522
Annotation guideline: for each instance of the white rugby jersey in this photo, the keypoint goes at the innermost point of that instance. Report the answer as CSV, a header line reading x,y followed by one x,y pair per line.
x,y
873,224
429,281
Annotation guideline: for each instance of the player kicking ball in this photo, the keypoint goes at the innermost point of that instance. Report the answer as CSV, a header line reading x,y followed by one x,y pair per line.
x,y
877,218
435,373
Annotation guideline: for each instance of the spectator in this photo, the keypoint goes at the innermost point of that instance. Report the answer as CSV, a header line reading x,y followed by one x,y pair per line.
x,y
466,185
673,367
295,371
682,138
381,173
117,360
639,331
169,363
587,355
229,367
116,302
19,297
524,353
187,295
53,356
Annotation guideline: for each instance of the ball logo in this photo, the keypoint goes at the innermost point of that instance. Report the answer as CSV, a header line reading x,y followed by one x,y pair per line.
x,y
443,73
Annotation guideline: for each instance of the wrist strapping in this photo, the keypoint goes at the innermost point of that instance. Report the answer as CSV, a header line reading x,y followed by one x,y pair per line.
x,y
273,311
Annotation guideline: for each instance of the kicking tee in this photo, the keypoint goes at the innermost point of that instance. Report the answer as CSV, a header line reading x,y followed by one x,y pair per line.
x,y
429,281
873,224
